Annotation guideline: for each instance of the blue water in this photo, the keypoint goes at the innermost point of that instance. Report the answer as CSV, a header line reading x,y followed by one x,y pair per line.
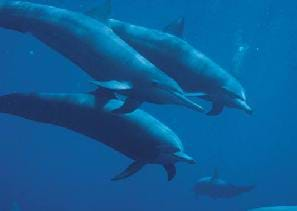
x,y
44,167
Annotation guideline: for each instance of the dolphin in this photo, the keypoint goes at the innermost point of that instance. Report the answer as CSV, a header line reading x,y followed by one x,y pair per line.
x,y
98,51
278,208
215,187
192,70
137,135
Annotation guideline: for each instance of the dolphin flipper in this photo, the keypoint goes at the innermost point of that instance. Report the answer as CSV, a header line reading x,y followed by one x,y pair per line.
x,y
101,12
176,28
113,85
129,106
132,169
171,171
217,108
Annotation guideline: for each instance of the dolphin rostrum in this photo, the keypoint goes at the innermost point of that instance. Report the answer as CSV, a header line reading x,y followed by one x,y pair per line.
x,y
137,135
215,187
193,71
98,51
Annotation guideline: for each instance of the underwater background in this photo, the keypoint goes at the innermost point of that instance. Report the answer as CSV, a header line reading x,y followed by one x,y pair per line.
x,y
45,167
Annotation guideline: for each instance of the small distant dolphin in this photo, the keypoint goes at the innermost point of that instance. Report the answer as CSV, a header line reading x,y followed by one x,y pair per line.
x,y
193,71
215,188
98,51
278,208
137,135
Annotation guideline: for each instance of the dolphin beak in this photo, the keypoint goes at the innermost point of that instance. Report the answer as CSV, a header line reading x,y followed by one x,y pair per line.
x,y
241,104
247,109
184,157
183,100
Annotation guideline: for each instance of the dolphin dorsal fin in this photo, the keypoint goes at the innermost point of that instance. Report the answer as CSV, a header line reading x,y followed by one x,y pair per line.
x,y
215,175
176,27
101,12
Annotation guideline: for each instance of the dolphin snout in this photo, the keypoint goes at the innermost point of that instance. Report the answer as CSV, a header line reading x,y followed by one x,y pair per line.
x,y
243,106
181,156
247,109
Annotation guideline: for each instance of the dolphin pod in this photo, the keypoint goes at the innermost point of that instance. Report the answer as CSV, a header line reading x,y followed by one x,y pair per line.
x,y
215,187
98,51
142,138
190,68
128,60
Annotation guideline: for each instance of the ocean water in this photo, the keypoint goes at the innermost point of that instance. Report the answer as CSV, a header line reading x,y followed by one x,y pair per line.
x,y
45,168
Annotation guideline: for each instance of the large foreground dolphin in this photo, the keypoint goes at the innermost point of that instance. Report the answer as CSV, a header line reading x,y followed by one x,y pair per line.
x,y
278,208
98,51
190,68
215,188
137,135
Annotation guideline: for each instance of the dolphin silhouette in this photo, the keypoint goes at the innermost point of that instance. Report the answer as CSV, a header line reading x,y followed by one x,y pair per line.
x,y
193,71
215,187
278,208
98,51
137,135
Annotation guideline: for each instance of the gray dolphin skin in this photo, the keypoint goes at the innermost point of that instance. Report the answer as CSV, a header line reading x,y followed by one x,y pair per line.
x,y
98,51
193,71
216,188
138,135
277,208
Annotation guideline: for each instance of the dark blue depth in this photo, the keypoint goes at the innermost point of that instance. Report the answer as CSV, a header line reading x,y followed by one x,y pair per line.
x,y
50,168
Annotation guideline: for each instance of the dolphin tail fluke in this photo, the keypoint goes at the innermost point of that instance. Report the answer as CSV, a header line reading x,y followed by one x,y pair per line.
x,y
132,169
171,171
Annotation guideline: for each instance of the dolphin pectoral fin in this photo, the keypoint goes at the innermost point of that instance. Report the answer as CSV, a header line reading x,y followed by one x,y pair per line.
x,y
217,108
171,171
132,169
129,106
114,85
195,94
176,28
101,12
